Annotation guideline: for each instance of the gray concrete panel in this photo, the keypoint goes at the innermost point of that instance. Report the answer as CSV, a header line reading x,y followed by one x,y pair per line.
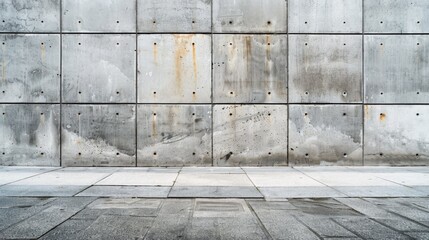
x,y
99,68
325,16
98,135
396,69
325,135
325,68
30,16
30,68
250,68
249,16
396,135
249,135
174,135
396,16
99,15
174,68
174,16
30,135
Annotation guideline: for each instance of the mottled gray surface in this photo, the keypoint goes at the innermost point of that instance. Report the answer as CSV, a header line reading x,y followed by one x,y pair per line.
x,y
92,74
30,68
396,69
325,68
174,68
325,16
98,135
396,16
396,135
250,68
174,16
249,135
99,15
325,135
174,135
30,16
249,16
30,132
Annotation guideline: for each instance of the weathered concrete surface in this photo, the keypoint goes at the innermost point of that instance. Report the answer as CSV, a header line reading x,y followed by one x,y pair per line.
x,y
30,135
249,135
98,135
396,135
92,74
396,16
174,135
325,16
99,15
250,68
30,68
249,16
174,68
174,16
325,135
325,68
30,16
396,69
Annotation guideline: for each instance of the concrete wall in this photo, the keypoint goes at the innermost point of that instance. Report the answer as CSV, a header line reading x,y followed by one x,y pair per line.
x,y
214,82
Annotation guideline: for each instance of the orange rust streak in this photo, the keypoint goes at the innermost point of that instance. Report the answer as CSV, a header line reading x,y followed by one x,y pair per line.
x,y
155,54
382,116
194,60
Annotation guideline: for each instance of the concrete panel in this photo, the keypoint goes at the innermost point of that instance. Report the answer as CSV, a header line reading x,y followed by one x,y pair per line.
x,y
30,135
174,68
396,16
396,135
30,16
396,69
174,16
250,68
99,68
325,16
325,68
174,135
249,16
30,68
325,135
98,135
99,15
250,135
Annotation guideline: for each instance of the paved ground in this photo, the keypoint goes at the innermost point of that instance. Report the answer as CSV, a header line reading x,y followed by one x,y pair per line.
x,y
268,183
214,203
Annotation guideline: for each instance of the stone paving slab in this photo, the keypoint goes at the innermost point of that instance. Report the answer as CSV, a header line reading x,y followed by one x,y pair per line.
x,y
299,192
12,174
126,191
214,179
215,192
142,176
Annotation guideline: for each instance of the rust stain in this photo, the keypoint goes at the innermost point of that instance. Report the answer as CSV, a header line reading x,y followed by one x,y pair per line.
x,y
382,116
155,54
248,44
43,52
268,56
194,60
180,52
3,65
366,113
154,129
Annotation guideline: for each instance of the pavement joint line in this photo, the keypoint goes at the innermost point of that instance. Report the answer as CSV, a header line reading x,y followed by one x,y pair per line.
x,y
93,184
350,230
174,182
254,185
336,190
308,227
52,170
264,229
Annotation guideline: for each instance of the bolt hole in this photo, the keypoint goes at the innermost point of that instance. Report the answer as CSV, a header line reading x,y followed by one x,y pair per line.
x,y
193,153
306,93
154,92
117,21
4,153
193,92
117,92
193,21
3,43
42,43
80,92
117,43
344,114
305,114
80,43
154,114
42,21
344,22
381,44
78,113
231,92
306,154
42,153
418,22
345,154
230,22
154,21
230,43
381,22
381,154
230,153
305,44
305,22
117,114
41,113
417,114
269,44
269,114
381,93
193,114
344,44
193,44
269,153
80,154
418,92
230,114
154,153
417,154
41,92
117,154
154,43
418,43
269,93
269,22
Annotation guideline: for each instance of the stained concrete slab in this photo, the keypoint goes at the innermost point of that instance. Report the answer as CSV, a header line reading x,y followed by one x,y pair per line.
x,y
288,177
214,192
125,191
369,229
12,174
140,177
215,179
208,170
300,192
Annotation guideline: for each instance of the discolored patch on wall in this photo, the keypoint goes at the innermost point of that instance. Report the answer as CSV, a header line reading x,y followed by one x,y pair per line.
x,y
93,75
30,135
174,68
325,68
396,69
174,16
30,16
325,16
250,135
99,15
396,135
396,16
98,135
325,135
249,16
250,68
174,135
30,68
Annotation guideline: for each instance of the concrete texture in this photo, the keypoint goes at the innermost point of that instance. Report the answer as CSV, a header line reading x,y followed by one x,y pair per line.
x,y
233,83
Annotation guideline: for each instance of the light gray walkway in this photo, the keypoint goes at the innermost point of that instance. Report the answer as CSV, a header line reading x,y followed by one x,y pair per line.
x,y
247,182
